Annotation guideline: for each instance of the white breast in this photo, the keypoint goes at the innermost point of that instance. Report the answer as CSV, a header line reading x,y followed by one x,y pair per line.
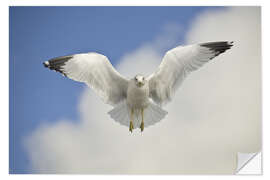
x,y
137,97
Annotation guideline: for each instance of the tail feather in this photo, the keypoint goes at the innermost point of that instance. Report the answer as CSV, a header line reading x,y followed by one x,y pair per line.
x,y
120,114
152,114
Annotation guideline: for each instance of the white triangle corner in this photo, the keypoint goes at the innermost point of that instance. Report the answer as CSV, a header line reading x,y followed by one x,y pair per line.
x,y
249,163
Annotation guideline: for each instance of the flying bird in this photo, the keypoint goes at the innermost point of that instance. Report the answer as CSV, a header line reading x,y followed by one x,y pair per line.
x,y
137,102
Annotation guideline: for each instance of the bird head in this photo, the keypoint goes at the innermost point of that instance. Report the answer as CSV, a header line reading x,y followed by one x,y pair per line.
x,y
139,80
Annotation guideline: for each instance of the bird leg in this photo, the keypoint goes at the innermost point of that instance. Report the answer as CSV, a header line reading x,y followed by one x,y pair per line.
x,y
131,127
142,123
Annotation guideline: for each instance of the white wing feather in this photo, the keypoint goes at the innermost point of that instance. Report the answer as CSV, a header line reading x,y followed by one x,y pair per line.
x,y
177,64
96,71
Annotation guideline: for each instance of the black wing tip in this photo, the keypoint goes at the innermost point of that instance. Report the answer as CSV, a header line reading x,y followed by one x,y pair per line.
x,y
57,63
46,64
218,44
218,47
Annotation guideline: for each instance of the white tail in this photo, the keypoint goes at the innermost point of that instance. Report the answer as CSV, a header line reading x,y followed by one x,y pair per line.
x,y
152,114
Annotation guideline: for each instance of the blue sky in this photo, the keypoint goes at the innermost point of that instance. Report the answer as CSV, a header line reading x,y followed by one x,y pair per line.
x,y
40,33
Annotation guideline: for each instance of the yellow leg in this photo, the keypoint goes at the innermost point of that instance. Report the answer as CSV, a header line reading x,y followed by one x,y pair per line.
x,y
142,123
131,127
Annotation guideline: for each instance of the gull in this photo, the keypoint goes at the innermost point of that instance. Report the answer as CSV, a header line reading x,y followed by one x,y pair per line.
x,y
137,102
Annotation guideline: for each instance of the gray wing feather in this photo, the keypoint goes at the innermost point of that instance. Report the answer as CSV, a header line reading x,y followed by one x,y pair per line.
x,y
96,71
177,64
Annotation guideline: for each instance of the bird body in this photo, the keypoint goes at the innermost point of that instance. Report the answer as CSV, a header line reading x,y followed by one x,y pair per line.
x,y
137,102
137,95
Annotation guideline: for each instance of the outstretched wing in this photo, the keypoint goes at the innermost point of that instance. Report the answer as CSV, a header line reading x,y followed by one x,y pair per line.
x,y
96,71
177,64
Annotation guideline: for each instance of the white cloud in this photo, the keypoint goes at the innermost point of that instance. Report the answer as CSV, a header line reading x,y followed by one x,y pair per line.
x,y
215,114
